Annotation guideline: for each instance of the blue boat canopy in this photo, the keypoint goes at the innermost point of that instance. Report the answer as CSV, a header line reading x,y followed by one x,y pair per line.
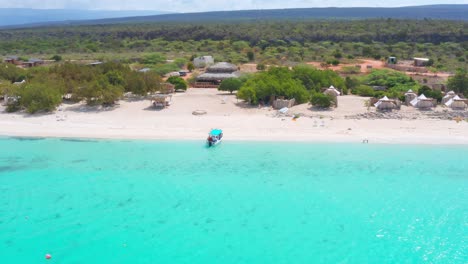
x,y
216,132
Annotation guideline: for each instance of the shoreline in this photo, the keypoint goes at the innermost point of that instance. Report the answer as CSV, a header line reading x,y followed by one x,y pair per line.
x,y
428,141
351,122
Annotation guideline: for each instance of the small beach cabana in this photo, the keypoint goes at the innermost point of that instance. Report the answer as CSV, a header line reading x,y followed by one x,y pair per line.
x,y
410,96
332,91
161,100
167,88
448,96
457,103
422,102
386,104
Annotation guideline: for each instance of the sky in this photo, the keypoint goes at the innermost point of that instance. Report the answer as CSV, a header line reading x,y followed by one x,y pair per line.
x,y
209,5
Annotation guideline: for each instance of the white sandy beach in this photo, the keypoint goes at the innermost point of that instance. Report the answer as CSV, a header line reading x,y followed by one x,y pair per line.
x,y
137,120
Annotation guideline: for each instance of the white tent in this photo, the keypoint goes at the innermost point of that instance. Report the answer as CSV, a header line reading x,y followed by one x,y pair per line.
x,y
332,91
417,99
450,102
448,97
384,99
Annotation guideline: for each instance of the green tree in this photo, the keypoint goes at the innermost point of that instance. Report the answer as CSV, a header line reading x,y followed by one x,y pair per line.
x,y
230,84
459,82
115,78
251,55
36,97
190,66
155,58
100,91
56,58
427,91
351,83
276,82
179,83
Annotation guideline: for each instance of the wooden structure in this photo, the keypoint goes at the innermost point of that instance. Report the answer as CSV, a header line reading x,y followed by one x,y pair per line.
x,y
161,100
281,103
167,88
33,63
12,60
421,62
410,96
203,61
215,74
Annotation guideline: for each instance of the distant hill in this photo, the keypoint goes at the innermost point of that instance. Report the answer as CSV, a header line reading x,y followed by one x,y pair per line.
x,y
446,12
35,18
19,16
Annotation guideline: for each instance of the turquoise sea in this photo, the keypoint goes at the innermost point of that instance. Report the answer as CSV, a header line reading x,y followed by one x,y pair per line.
x,y
240,202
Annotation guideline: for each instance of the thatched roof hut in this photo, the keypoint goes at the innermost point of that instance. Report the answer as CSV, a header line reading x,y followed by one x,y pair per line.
x,y
386,104
222,67
217,73
423,102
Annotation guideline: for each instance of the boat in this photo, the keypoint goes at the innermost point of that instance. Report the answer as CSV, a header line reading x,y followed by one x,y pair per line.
x,y
214,137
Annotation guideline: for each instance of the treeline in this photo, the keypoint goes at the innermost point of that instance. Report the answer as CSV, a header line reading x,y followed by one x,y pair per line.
x,y
381,30
266,42
45,88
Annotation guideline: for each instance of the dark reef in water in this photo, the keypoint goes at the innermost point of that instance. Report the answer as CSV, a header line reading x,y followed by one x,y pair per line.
x,y
28,138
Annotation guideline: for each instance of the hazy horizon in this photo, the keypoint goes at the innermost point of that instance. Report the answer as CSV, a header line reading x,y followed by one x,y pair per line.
x,y
187,6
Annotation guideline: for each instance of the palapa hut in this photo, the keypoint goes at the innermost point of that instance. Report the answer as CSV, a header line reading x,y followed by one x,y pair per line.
x,y
457,103
423,102
215,74
448,96
386,104
410,96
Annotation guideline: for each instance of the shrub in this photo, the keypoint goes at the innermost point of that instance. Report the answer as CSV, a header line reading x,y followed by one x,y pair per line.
x,y
427,91
364,90
153,59
190,66
248,94
39,97
56,58
230,84
322,100
179,83
261,67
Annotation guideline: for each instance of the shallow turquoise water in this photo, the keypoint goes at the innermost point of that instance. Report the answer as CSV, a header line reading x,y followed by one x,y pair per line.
x,y
179,202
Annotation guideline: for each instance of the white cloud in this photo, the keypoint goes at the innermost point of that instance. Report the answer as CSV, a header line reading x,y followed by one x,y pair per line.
x,y
207,5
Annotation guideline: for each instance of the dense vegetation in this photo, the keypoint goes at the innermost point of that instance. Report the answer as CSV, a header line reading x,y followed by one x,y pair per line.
x,y
266,42
298,83
100,85
459,82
